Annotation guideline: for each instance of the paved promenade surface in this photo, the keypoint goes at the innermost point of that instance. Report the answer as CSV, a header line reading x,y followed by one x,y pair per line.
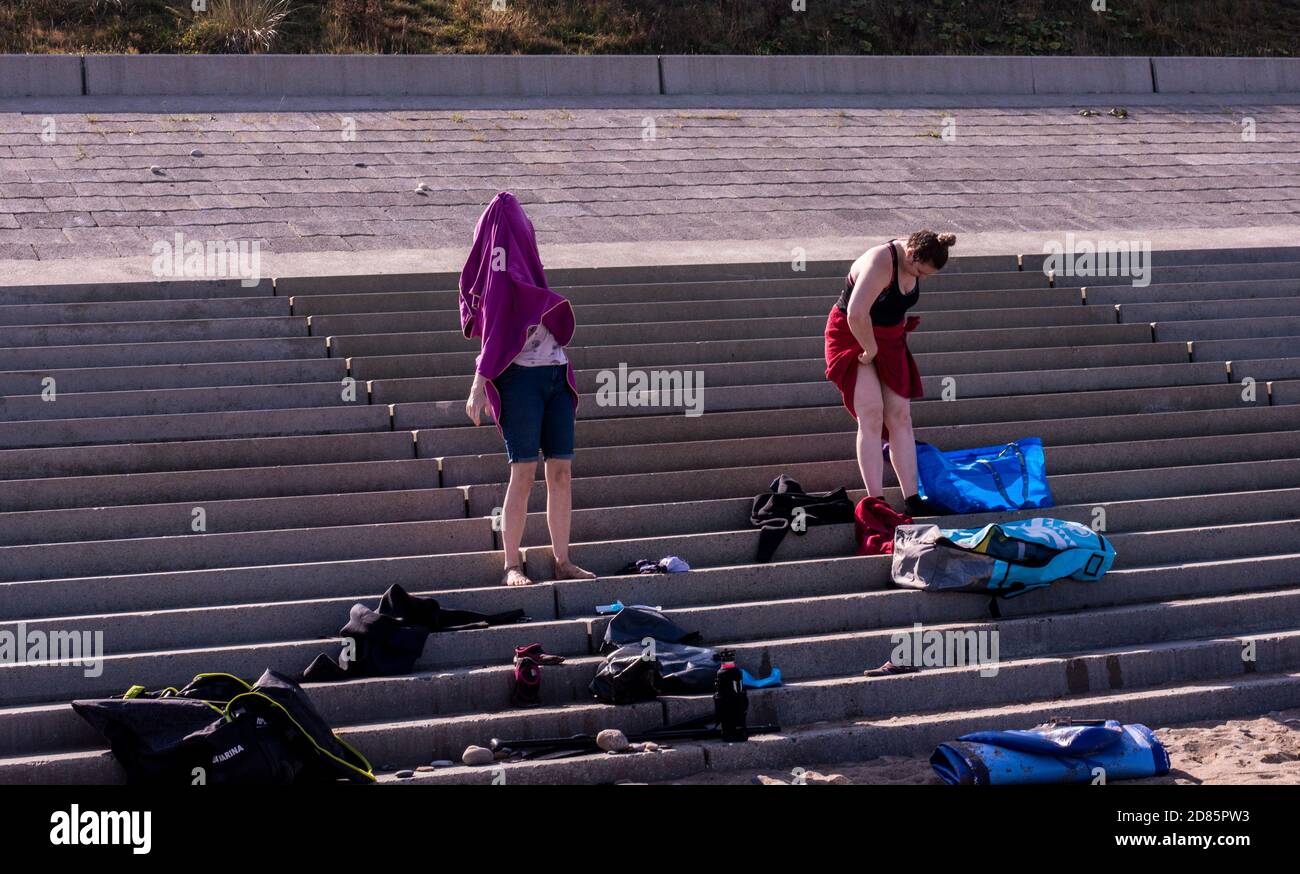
x,y
296,181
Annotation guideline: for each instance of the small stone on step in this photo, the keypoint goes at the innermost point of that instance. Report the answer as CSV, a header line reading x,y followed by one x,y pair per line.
x,y
475,755
611,740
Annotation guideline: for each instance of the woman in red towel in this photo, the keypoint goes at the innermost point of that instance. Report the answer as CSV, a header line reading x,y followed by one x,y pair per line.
x,y
867,356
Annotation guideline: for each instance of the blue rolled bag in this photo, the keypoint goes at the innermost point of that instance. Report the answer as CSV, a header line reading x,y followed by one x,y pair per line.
x,y
1012,476
1003,558
1069,752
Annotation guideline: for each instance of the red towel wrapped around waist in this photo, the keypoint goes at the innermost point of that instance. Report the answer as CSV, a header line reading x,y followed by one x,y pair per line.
x,y
894,363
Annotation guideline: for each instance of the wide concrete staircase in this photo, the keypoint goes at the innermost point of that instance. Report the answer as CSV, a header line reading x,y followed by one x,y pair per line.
x,y
317,492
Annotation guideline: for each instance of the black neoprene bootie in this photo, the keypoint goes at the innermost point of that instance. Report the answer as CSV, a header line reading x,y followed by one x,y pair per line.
x,y
918,506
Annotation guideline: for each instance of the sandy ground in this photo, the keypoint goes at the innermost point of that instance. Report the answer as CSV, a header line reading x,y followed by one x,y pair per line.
x,y
1264,750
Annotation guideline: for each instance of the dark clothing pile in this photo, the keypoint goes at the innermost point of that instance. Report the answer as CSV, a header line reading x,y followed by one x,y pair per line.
x,y
785,503
668,565
391,640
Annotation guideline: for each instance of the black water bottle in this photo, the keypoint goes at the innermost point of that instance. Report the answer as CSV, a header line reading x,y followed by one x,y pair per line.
x,y
730,702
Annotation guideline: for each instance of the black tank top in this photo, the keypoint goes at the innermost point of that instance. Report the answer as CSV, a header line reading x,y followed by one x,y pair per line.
x,y
891,304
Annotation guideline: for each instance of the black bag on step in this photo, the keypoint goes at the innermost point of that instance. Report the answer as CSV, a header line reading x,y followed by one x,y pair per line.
x,y
220,730
627,675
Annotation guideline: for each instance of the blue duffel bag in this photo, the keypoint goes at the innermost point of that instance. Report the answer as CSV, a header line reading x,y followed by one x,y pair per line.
x,y
1080,752
1012,476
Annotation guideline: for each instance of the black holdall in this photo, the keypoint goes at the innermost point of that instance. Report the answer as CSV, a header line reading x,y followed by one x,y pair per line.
x,y
221,730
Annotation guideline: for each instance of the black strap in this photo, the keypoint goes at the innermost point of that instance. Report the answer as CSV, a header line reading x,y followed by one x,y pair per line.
x,y
898,289
997,480
893,280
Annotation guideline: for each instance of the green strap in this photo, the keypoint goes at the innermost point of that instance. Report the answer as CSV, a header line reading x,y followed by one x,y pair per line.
x,y
368,773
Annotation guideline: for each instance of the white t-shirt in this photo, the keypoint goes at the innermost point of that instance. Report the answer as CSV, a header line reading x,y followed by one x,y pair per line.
x,y
541,349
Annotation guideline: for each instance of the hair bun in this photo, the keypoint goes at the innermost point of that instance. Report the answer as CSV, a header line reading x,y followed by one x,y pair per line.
x,y
947,240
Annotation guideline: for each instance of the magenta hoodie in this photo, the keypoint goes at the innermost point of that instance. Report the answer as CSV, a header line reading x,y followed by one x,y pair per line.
x,y
503,293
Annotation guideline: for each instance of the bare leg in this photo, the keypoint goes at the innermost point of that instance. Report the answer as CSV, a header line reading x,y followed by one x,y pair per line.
x,y
559,512
514,514
870,407
902,442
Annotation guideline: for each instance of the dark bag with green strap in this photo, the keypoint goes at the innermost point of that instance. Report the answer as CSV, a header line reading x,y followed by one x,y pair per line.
x,y
221,730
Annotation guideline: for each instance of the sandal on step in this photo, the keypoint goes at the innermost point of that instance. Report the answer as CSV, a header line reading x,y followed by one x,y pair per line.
x,y
889,669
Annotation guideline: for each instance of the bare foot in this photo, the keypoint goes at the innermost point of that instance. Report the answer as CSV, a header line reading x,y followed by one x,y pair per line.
x,y
569,571
514,576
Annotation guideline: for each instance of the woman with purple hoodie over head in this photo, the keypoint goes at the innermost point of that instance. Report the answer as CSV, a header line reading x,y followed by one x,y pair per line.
x,y
522,374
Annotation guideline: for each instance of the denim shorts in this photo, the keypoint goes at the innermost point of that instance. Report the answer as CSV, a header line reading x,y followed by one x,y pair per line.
x,y
537,416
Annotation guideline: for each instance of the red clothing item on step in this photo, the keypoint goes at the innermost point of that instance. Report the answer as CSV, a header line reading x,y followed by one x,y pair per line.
x,y
894,363
874,522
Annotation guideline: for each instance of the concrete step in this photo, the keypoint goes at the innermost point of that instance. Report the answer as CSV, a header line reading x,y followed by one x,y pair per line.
x,y
194,426
1265,369
66,461
1243,419
812,682
240,585
415,741
1210,272
213,623
721,514
960,411
188,550
1162,258
720,549
218,484
1236,309
152,331
348,346
400,504
636,315
976,271
857,740
1107,295
143,311
735,452
136,354
768,373
1285,392
1228,329
1253,347
108,292
822,289
32,683
664,487
158,640
160,376
809,349
173,401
